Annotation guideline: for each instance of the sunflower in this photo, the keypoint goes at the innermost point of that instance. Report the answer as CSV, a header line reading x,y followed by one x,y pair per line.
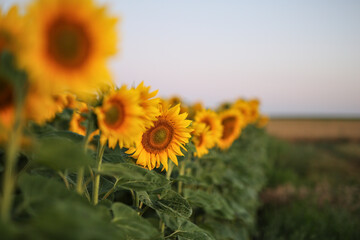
x,y
11,26
244,108
262,121
7,102
193,109
149,104
40,106
157,144
10,29
254,110
78,120
67,43
232,122
211,119
173,101
120,118
202,139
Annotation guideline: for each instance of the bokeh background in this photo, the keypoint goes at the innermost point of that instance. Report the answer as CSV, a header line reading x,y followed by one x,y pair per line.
x,y
301,58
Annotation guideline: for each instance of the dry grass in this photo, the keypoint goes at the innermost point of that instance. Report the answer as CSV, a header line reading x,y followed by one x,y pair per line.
x,y
314,129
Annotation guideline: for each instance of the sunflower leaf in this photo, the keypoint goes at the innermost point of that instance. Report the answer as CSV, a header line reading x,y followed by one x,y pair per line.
x,y
133,177
170,203
131,225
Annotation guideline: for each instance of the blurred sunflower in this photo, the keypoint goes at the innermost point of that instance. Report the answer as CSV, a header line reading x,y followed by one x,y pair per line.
x,y
149,104
67,44
173,101
232,122
193,109
77,122
7,102
10,29
262,121
120,118
202,139
244,108
163,141
254,110
11,26
211,119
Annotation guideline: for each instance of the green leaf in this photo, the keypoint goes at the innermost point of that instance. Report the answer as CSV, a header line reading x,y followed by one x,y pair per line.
x,y
60,153
133,177
170,202
131,225
184,229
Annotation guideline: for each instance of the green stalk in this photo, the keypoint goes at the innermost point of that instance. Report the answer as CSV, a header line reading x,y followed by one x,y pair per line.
x,y
97,175
182,171
10,164
168,175
80,175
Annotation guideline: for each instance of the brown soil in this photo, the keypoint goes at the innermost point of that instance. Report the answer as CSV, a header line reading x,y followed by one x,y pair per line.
x,y
313,129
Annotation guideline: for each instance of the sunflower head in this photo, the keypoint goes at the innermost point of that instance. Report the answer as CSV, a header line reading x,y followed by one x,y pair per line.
x,y
202,138
169,133
262,121
7,102
120,118
193,109
232,123
212,120
11,27
67,44
244,108
149,104
254,110
77,122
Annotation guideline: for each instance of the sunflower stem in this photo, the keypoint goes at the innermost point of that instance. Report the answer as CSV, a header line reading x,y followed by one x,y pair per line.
x,y
169,171
80,175
10,163
182,171
97,175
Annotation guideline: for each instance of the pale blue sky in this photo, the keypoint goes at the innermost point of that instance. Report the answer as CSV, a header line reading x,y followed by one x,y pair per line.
x,y
298,57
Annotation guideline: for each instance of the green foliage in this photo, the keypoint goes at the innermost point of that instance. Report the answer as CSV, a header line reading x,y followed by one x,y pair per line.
x,y
215,197
131,224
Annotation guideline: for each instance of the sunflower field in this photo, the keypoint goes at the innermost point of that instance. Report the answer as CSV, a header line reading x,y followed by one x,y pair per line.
x,y
83,158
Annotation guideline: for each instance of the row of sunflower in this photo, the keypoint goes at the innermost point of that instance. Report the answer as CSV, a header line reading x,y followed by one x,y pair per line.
x,y
56,88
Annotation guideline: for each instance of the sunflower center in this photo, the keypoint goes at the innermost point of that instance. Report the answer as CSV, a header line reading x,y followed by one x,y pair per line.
x,y
158,138
68,43
207,122
229,127
6,94
201,140
114,116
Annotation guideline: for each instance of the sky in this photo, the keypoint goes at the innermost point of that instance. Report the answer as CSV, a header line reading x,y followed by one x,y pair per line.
x,y
299,57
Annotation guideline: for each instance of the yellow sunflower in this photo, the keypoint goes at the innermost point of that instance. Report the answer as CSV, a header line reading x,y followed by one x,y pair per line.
x,y
149,104
11,26
7,102
244,108
157,144
212,120
262,121
202,139
77,122
173,101
193,109
120,118
67,43
40,106
254,110
232,122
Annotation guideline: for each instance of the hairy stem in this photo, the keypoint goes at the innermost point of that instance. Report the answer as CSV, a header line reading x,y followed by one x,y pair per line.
x,y
96,184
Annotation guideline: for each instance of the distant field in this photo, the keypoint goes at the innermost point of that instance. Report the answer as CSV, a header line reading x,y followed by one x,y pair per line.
x,y
315,129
